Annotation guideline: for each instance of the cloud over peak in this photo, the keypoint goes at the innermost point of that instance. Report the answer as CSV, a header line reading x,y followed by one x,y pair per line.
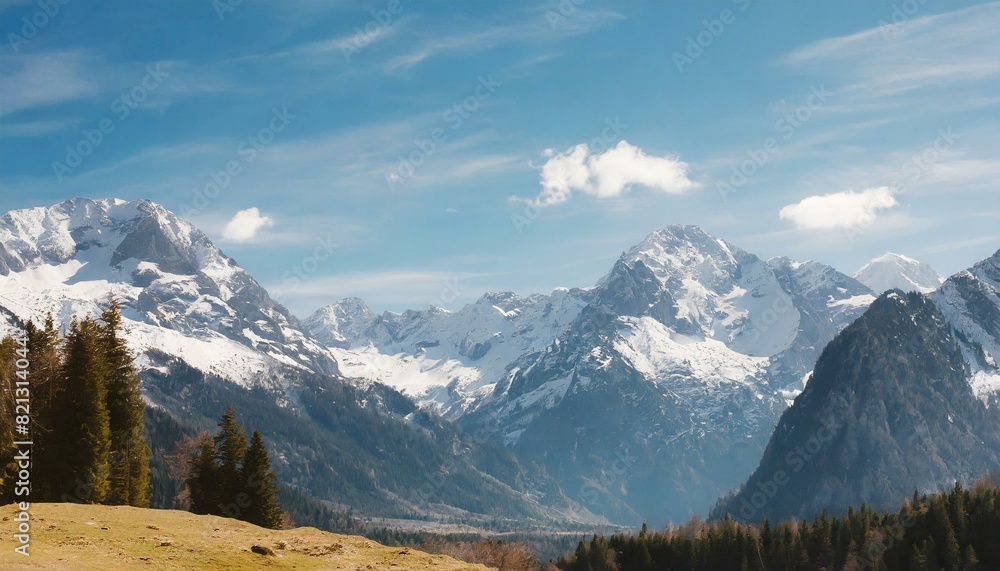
x,y
609,174
245,225
846,209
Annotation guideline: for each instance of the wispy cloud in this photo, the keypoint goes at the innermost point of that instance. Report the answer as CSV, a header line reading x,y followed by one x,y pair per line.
x,y
962,244
39,80
416,288
937,52
35,128
533,26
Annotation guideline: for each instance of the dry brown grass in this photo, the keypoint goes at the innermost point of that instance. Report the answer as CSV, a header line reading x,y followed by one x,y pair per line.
x,y
106,538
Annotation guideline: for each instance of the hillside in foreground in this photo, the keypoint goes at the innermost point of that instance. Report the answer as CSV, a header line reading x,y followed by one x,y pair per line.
x,y
76,536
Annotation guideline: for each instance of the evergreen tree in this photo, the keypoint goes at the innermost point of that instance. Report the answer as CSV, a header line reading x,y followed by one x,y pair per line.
x,y
8,383
230,448
45,366
129,450
260,485
203,482
82,433
969,560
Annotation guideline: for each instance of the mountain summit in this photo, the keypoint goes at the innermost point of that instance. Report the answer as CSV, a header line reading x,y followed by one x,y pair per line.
x,y
181,294
895,271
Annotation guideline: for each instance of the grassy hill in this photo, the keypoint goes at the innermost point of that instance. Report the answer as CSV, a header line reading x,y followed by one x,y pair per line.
x,y
83,537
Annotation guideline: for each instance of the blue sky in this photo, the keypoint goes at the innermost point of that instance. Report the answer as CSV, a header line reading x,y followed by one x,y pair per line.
x,y
423,153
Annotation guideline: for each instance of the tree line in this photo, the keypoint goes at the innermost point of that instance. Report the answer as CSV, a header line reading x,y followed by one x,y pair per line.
x,y
86,414
957,530
87,429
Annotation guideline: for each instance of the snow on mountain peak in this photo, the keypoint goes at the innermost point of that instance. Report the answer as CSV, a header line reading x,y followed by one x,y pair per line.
x,y
896,271
180,293
340,323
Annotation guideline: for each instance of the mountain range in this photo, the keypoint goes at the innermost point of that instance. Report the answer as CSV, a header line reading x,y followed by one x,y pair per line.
x,y
208,336
643,397
647,395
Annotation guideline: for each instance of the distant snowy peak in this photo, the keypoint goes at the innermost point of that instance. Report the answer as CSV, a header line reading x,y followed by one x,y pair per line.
x,y
439,358
141,230
685,249
970,301
342,323
895,271
180,293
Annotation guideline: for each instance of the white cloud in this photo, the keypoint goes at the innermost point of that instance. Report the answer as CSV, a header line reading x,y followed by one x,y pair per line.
x,y
608,174
245,225
847,209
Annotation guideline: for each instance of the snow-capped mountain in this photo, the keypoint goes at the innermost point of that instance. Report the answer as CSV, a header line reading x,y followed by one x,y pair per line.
x,y
442,359
208,337
340,324
970,301
895,271
181,296
681,358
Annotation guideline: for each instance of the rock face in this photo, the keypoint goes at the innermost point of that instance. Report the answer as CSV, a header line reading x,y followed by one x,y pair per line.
x,y
894,271
889,408
209,336
648,395
970,302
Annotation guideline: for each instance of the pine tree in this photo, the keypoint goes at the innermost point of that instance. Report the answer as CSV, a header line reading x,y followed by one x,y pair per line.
x,y
8,383
129,450
45,358
260,485
82,435
969,560
230,448
203,481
